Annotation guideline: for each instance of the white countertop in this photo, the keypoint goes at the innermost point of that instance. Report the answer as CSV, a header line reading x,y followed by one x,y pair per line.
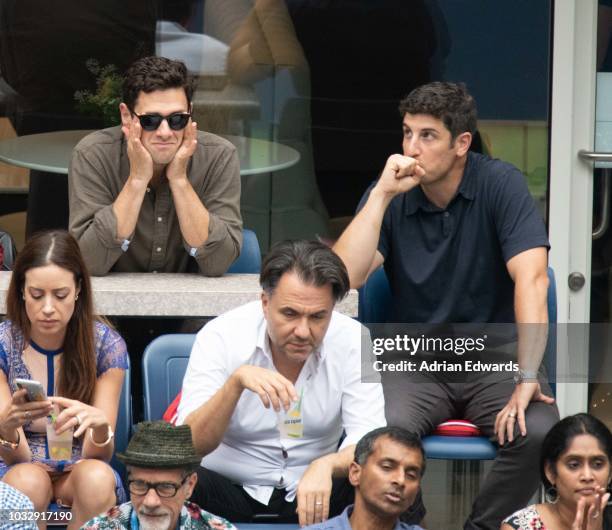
x,y
173,294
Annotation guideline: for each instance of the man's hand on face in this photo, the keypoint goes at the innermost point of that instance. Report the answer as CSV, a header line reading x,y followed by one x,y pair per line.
x,y
177,168
271,386
313,493
514,411
141,163
401,174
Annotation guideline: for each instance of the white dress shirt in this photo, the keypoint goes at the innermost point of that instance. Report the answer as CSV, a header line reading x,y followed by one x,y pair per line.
x,y
252,452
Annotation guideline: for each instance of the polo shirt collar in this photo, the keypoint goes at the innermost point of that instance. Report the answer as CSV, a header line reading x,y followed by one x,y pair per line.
x,y
467,186
346,524
416,199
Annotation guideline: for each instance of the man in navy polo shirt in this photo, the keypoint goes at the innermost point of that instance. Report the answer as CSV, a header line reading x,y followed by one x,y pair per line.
x,y
461,241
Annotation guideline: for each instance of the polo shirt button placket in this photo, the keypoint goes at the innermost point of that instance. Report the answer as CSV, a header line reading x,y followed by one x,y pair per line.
x,y
446,224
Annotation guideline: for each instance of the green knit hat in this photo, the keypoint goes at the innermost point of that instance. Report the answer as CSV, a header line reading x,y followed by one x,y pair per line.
x,y
157,444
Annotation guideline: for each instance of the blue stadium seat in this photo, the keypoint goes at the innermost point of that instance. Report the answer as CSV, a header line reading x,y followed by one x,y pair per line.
x,y
163,367
123,428
249,261
375,301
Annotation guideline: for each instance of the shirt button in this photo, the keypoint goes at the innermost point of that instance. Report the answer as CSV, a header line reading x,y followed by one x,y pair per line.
x,y
159,219
446,214
285,453
154,272
158,249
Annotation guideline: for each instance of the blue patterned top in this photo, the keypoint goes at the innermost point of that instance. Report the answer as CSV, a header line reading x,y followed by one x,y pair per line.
x,y
111,352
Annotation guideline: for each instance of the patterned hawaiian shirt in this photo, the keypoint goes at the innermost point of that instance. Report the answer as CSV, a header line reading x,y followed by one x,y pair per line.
x,y
124,517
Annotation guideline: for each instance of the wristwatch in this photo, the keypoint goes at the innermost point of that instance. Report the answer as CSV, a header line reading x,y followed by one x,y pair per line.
x,y
525,376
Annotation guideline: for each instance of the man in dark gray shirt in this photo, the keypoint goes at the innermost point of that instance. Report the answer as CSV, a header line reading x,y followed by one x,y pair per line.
x,y
156,194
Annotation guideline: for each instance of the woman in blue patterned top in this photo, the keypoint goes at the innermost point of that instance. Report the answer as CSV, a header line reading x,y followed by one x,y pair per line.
x,y
52,336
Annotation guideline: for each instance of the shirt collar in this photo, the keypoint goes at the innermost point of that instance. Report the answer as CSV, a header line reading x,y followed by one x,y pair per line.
x,y
467,187
415,199
346,524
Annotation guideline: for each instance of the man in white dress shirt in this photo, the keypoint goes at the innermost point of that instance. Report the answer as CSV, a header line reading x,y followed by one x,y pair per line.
x,y
270,389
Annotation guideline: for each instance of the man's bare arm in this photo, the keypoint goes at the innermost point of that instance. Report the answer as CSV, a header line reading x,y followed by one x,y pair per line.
x,y
209,422
192,214
129,201
528,270
315,486
357,246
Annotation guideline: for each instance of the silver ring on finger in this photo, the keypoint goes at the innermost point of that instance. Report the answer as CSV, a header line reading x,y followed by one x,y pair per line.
x,y
78,419
511,415
27,414
319,503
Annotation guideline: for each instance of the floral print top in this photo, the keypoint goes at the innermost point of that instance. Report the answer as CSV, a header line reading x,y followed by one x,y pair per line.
x,y
191,518
526,519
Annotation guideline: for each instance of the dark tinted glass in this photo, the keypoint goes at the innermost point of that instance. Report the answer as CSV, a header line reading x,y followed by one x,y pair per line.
x,y
176,121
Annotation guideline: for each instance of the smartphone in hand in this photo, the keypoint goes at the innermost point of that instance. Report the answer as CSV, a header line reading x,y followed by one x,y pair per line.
x,y
35,390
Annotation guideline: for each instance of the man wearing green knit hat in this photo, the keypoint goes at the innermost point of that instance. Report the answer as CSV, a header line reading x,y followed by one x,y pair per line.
x,y
161,462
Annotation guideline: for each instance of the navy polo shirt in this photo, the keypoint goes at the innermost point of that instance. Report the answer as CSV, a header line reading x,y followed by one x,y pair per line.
x,y
449,265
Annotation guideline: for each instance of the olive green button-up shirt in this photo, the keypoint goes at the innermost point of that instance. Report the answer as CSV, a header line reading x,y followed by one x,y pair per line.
x,y
98,171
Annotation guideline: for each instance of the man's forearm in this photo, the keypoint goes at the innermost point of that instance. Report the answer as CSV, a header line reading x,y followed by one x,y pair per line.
x,y
531,315
193,217
209,422
127,206
358,244
338,462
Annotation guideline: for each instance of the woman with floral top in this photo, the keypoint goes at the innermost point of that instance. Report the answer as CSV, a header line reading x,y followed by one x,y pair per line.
x,y
576,471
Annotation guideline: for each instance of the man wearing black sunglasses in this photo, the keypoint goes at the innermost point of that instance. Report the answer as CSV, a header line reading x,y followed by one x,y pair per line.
x,y
161,462
156,194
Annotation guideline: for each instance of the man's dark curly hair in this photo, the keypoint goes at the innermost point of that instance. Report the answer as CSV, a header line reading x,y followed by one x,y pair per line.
x,y
449,102
155,73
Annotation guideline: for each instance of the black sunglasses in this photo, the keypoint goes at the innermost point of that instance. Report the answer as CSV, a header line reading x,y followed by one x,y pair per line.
x,y
177,121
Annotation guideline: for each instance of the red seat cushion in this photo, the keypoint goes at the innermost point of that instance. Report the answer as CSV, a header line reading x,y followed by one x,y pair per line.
x,y
457,428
